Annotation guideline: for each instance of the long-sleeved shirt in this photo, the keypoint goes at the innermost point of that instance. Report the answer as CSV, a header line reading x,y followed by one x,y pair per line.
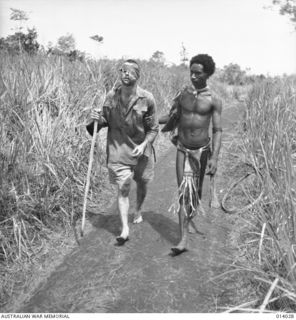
x,y
127,127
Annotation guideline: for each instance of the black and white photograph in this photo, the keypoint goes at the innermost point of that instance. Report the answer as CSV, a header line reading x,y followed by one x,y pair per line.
x,y
147,159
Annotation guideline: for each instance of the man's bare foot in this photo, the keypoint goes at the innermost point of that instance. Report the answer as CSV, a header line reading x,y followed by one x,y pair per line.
x,y
137,218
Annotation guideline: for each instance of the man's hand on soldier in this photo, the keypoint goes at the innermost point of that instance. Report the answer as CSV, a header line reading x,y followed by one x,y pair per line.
x,y
139,150
148,120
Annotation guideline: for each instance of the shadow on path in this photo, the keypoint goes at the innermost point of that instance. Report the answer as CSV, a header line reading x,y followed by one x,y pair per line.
x,y
109,222
167,228
141,276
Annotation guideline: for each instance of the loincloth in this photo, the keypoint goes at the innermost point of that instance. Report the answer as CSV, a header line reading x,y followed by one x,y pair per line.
x,y
190,186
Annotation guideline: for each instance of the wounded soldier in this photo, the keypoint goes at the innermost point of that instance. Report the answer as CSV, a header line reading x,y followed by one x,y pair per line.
x,y
129,112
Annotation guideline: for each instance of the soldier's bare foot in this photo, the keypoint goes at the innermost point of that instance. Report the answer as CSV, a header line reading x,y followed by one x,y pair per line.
x,y
137,218
123,237
176,251
180,248
121,240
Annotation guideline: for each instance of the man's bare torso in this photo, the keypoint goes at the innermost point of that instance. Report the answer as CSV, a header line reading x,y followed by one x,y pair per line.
x,y
194,121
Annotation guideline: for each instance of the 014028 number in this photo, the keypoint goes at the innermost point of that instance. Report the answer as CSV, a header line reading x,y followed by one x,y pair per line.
x,y
285,316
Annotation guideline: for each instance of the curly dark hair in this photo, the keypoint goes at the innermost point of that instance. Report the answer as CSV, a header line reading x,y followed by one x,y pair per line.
x,y
206,61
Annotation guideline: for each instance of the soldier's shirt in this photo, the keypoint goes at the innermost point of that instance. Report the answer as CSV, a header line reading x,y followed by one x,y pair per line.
x,y
127,127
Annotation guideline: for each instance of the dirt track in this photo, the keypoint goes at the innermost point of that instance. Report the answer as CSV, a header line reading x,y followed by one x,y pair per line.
x,y
141,276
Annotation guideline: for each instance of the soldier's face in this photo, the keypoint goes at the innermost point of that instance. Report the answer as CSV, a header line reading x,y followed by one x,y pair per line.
x,y
128,74
197,75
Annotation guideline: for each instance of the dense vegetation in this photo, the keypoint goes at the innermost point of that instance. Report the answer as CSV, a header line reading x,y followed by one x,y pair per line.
x,y
269,146
45,104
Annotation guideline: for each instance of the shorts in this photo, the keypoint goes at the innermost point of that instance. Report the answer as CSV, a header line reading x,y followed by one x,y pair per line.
x,y
121,174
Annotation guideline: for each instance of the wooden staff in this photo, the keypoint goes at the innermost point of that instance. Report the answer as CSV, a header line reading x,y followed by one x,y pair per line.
x,y
91,157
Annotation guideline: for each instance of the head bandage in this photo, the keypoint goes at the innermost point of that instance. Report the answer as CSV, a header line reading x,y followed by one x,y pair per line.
x,y
131,68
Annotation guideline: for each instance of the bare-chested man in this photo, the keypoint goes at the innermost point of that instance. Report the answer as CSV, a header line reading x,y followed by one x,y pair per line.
x,y
191,113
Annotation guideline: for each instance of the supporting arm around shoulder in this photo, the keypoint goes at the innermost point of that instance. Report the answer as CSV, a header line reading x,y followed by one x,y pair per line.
x,y
172,119
151,122
164,119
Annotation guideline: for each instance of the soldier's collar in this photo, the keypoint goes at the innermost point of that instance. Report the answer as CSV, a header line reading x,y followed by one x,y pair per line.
x,y
139,91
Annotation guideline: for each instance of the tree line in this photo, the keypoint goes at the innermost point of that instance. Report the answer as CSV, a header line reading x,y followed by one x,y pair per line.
x,y
26,41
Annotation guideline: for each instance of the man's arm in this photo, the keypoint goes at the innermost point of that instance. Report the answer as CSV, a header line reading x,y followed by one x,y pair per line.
x,y
164,119
99,115
171,120
96,115
152,126
217,135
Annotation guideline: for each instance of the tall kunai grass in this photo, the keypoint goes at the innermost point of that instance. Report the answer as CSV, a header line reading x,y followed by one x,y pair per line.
x,y
44,150
268,233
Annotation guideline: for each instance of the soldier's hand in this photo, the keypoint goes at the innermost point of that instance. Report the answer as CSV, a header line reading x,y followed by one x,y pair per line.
x,y
96,114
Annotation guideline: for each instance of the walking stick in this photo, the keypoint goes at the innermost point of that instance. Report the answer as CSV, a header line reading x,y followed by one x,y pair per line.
x,y
91,157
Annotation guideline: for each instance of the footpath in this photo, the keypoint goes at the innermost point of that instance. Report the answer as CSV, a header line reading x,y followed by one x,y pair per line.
x,y
142,276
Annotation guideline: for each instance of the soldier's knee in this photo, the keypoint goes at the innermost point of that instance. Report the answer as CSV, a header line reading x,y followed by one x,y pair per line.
x,y
125,188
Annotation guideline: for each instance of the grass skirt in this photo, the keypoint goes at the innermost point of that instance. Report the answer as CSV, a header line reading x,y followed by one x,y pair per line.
x,y
188,190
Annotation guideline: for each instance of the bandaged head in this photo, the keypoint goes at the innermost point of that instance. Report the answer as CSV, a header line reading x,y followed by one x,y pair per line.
x,y
131,67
